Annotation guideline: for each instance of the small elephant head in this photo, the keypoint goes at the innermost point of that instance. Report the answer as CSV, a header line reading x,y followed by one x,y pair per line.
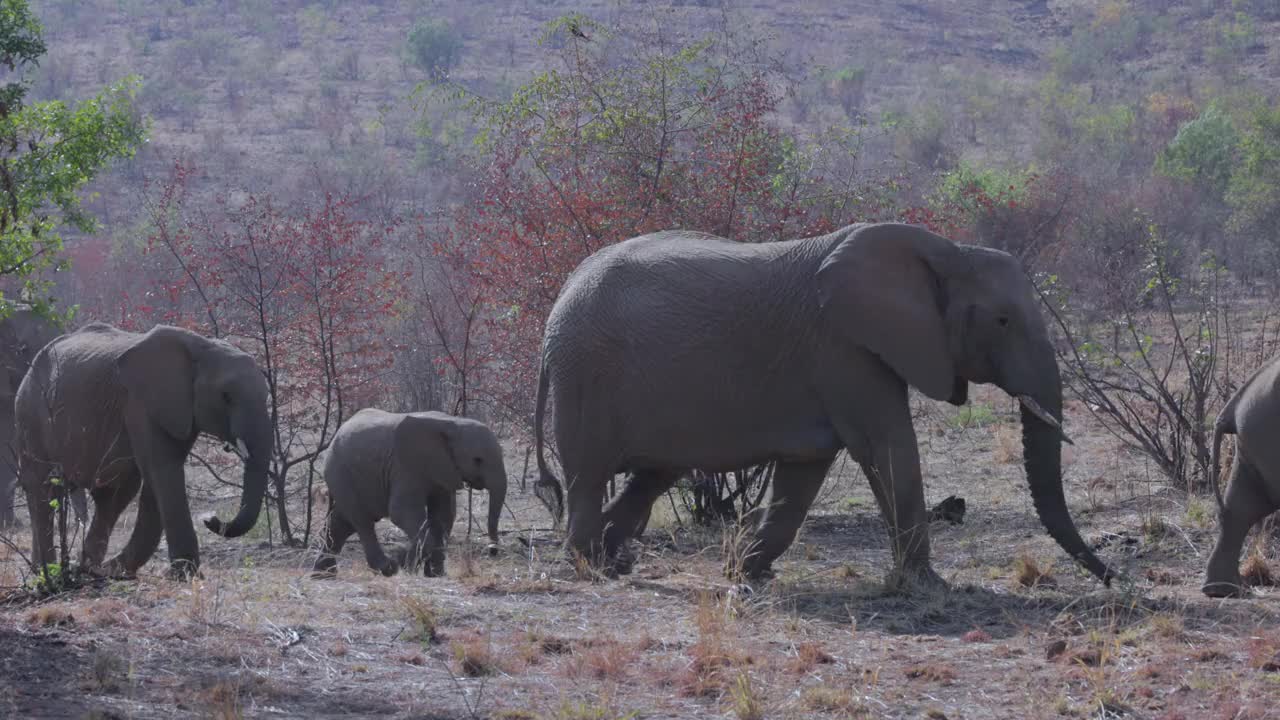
x,y
188,384
456,451
944,315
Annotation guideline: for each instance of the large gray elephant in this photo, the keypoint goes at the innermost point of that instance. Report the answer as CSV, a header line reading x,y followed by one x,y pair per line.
x,y
23,332
681,350
409,467
116,412
1253,491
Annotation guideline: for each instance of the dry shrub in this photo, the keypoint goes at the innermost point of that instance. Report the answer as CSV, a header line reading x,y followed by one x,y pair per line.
x,y
841,703
976,635
1007,449
1028,573
50,616
1208,655
809,655
338,649
933,672
1161,576
473,656
1256,572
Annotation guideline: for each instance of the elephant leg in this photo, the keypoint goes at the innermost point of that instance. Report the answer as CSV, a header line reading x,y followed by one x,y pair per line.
x,y
8,488
585,491
442,509
336,532
108,502
1246,503
629,510
411,518
35,482
143,541
899,489
795,485
373,553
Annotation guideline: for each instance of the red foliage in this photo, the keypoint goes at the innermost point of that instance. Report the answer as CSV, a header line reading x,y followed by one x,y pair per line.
x,y
307,295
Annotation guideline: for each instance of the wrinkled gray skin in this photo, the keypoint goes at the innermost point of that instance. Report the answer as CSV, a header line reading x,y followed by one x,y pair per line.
x,y
22,333
1253,491
681,350
409,467
116,413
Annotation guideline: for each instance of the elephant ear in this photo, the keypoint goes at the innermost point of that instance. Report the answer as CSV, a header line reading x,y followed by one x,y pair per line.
x,y
425,444
159,373
882,287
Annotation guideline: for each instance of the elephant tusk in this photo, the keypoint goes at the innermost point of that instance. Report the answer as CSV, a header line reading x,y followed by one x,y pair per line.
x,y
1034,408
244,449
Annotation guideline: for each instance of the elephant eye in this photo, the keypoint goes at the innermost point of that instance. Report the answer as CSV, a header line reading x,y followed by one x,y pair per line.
x,y
479,461
1003,321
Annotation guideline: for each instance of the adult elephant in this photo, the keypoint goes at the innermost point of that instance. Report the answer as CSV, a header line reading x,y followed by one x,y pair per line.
x,y
23,332
409,467
684,350
116,412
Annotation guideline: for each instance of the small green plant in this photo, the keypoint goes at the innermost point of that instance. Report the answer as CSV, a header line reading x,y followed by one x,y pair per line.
x,y
977,415
1199,513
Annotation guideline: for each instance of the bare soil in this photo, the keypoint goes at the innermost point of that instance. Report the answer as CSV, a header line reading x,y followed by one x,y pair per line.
x,y
523,636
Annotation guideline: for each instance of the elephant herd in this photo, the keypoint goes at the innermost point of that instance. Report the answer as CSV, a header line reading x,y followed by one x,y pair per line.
x,y
665,353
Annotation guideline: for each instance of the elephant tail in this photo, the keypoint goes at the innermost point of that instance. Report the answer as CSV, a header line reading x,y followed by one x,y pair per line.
x,y
547,487
1225,425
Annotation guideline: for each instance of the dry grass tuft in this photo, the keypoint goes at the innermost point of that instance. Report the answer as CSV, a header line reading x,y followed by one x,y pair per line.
x,y
49,616
1007,448
841,703
976,635
809,655
1162,576
605,660
424,620
748,704
1264,653
1256,572
933,672
1028,573
713,654
223,699
107,671
473,656
1167,625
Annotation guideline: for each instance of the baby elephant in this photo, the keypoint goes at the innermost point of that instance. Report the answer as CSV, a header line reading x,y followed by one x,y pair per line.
x,y
1253,492
407,466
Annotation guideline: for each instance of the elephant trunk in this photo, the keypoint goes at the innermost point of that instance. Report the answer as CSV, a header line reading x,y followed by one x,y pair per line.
x,y
257,451
497,487
1042,456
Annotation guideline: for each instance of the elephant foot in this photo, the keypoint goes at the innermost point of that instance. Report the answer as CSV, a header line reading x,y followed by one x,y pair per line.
x,y
493,549
184,571
324,574
389,568
622,561
114,569
1223,589
912,581
751,571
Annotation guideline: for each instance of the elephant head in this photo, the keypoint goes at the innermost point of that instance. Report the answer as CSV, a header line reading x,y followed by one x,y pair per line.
x,y
467,448
944,315
190,385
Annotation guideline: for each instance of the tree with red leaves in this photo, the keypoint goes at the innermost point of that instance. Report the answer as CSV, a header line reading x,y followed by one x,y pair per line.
x,y
628,134
307,294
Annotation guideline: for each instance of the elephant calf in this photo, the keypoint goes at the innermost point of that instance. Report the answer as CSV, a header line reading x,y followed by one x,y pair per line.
x,y
409,467
1253,492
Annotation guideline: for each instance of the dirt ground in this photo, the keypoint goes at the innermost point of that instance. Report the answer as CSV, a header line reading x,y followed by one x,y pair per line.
x,y
1021,634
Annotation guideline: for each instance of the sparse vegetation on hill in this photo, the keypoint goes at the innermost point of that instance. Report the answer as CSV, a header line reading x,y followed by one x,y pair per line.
x,y
381,201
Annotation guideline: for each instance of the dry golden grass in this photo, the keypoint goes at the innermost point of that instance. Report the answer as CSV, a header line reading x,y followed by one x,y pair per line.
x,y
834,701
